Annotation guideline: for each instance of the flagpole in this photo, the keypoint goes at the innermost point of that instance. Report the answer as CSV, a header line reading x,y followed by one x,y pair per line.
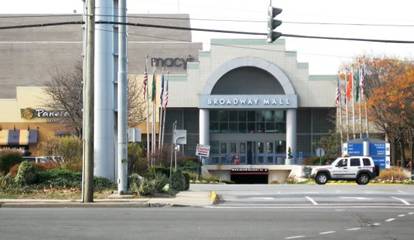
x,y
165,102
160,117
366,118
353,104
339,106
147,103
346,106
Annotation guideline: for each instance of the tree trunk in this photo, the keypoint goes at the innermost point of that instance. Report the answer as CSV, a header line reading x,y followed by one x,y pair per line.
x,y
393,153
402,157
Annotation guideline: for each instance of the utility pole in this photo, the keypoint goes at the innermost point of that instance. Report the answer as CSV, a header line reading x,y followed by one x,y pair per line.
x,y
88,105
122,100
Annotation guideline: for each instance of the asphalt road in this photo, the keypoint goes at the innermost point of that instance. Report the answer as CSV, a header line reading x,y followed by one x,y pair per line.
x,y
251,196
202,223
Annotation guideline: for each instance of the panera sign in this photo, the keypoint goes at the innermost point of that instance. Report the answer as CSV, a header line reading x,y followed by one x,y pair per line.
x,y
32,113
248,101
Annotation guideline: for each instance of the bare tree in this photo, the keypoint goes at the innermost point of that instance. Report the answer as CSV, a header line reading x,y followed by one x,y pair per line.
x,y
65,92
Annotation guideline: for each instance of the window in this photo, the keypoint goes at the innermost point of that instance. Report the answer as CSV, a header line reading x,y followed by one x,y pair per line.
x,y
355,162
223,148
233,148
366,162
342,163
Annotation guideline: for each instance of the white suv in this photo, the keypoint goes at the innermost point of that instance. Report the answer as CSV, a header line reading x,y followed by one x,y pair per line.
x,y
358,168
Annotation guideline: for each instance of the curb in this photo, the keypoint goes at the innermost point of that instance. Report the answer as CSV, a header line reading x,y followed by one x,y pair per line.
x,y
82,205
214,198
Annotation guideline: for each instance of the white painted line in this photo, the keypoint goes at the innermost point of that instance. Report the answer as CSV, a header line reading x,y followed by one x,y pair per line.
x,y
390,219
410,213
328,232
402,200
376,224
401,215
356,198
295,237
353,229
311,200
261,198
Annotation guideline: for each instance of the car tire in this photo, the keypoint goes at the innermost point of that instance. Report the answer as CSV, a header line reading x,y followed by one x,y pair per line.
x,y
321,178
363,179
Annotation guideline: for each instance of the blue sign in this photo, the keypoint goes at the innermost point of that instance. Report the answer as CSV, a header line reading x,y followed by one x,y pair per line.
x,y
355,149
377,149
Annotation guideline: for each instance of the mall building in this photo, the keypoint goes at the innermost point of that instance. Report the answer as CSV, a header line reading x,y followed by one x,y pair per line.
x,y
255,105
252,102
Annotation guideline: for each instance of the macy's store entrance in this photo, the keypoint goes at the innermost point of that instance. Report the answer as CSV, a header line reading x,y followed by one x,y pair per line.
x,y
249,175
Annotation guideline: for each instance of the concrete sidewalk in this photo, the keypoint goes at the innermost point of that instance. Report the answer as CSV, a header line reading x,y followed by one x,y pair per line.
x,y
182,199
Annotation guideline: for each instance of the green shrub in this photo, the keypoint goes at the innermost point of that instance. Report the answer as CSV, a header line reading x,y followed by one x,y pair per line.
x,y
186,181
147,187
9,158
137,162
155,183
7,182
177,181
135,182
64,178
101,183
27,174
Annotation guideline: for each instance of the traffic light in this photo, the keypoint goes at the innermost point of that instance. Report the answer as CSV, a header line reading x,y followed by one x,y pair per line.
x,y
272,24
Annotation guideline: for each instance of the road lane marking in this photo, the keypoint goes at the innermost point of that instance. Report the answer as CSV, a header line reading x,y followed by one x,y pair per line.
x,y
376,224
410,213
356,198
261,198
401,215
390,219
311,200
327,232
401,200
295,237
353,229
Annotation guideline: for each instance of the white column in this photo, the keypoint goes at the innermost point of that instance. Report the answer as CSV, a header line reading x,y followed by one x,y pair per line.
x,y
290,135
204,125
104,153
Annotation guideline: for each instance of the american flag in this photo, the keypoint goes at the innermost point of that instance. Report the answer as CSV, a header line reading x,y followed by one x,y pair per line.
x,y
145,80
362,82
338,94
165,95
162,89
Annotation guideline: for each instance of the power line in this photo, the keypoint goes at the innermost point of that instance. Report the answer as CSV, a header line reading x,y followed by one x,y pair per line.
x,y
206,30
218,20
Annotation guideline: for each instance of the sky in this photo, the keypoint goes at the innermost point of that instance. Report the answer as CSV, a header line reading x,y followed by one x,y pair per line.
x,y
323,56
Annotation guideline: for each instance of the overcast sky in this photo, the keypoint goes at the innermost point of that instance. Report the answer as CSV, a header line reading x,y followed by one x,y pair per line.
x,y
324,56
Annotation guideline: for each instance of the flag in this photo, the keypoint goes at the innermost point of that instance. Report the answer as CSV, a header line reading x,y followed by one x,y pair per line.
x,y
162,90
356,85
154,87
362,82
338,93
349,85
145,80
165,96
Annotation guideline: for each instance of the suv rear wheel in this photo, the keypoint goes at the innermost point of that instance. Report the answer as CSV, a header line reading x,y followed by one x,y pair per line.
x,y
321,178
363,179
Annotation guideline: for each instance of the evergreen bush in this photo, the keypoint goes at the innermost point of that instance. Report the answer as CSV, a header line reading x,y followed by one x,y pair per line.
x,y
177,181
26,174
9,158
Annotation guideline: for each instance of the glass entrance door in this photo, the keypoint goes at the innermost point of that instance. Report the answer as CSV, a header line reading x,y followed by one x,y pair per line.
x,y
251,152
